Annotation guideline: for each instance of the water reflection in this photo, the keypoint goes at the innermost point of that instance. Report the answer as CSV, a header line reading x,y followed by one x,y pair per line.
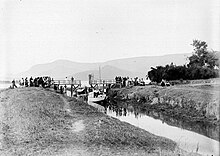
x,y
207,130
159,124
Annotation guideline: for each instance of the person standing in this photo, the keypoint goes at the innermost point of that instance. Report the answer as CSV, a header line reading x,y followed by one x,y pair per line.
x,y
66,80
49,81
72,79
22,82
61,89
31,81
26,82
13,84
64,89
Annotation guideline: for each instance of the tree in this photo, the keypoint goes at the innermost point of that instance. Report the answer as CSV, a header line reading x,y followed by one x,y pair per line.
x,y
201,56
212,59
201,65
156,74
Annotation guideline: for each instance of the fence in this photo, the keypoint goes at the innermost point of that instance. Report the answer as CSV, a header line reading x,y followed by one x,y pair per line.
x,y
67,82
103,81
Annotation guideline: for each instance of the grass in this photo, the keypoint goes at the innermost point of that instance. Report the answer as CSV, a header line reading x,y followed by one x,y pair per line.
x,y
35,121
199,102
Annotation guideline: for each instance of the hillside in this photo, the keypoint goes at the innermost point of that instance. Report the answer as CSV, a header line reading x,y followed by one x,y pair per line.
x,y
136,66
58,69
143,64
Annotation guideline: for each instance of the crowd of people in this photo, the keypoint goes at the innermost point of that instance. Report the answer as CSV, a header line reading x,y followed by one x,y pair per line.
x,y
44,82
126,81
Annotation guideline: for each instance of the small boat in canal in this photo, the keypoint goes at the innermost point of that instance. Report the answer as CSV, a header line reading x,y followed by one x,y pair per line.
x,y
96,96
81,93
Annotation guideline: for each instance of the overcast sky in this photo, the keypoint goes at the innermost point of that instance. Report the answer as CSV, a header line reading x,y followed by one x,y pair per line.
x,y
41,31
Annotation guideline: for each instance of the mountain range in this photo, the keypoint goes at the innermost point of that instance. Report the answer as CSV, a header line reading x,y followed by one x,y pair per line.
x,y
132,67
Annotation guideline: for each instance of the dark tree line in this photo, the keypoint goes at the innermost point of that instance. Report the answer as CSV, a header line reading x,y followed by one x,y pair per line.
x,y
203,64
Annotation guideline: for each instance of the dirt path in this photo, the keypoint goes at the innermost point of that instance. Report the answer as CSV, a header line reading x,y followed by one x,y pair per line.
x,y
77,126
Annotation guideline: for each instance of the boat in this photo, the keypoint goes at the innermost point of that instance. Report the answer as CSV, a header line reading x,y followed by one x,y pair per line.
x,y
81,93
96,96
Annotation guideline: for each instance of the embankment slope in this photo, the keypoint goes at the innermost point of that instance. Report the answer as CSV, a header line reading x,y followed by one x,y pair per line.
x,y
35,121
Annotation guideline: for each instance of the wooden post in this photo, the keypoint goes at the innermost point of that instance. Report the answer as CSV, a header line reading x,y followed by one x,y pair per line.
x,y
103,85
71,90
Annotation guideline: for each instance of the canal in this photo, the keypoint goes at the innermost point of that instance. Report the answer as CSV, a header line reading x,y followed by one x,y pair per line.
x,y
190,137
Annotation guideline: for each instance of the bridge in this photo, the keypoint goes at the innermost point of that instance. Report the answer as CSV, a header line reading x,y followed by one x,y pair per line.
x,y
75,84
69,83
102,83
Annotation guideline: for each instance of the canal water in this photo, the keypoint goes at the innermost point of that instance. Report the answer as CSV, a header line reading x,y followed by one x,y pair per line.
x,y
189,137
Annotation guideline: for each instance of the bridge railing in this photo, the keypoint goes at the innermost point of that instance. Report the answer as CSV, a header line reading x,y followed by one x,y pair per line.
x,y
103,81
67,82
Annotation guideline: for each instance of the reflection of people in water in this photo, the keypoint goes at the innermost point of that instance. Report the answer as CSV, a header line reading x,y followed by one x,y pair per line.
x,y
110,107
116,113
120,111
136,114
125,112
105,110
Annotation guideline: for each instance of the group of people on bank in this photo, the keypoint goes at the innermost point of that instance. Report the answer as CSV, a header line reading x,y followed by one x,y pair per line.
x,y
126,81
44,81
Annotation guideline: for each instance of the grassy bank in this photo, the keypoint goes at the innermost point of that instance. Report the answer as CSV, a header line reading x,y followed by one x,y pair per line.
x,y
35,121
192,102
194,105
